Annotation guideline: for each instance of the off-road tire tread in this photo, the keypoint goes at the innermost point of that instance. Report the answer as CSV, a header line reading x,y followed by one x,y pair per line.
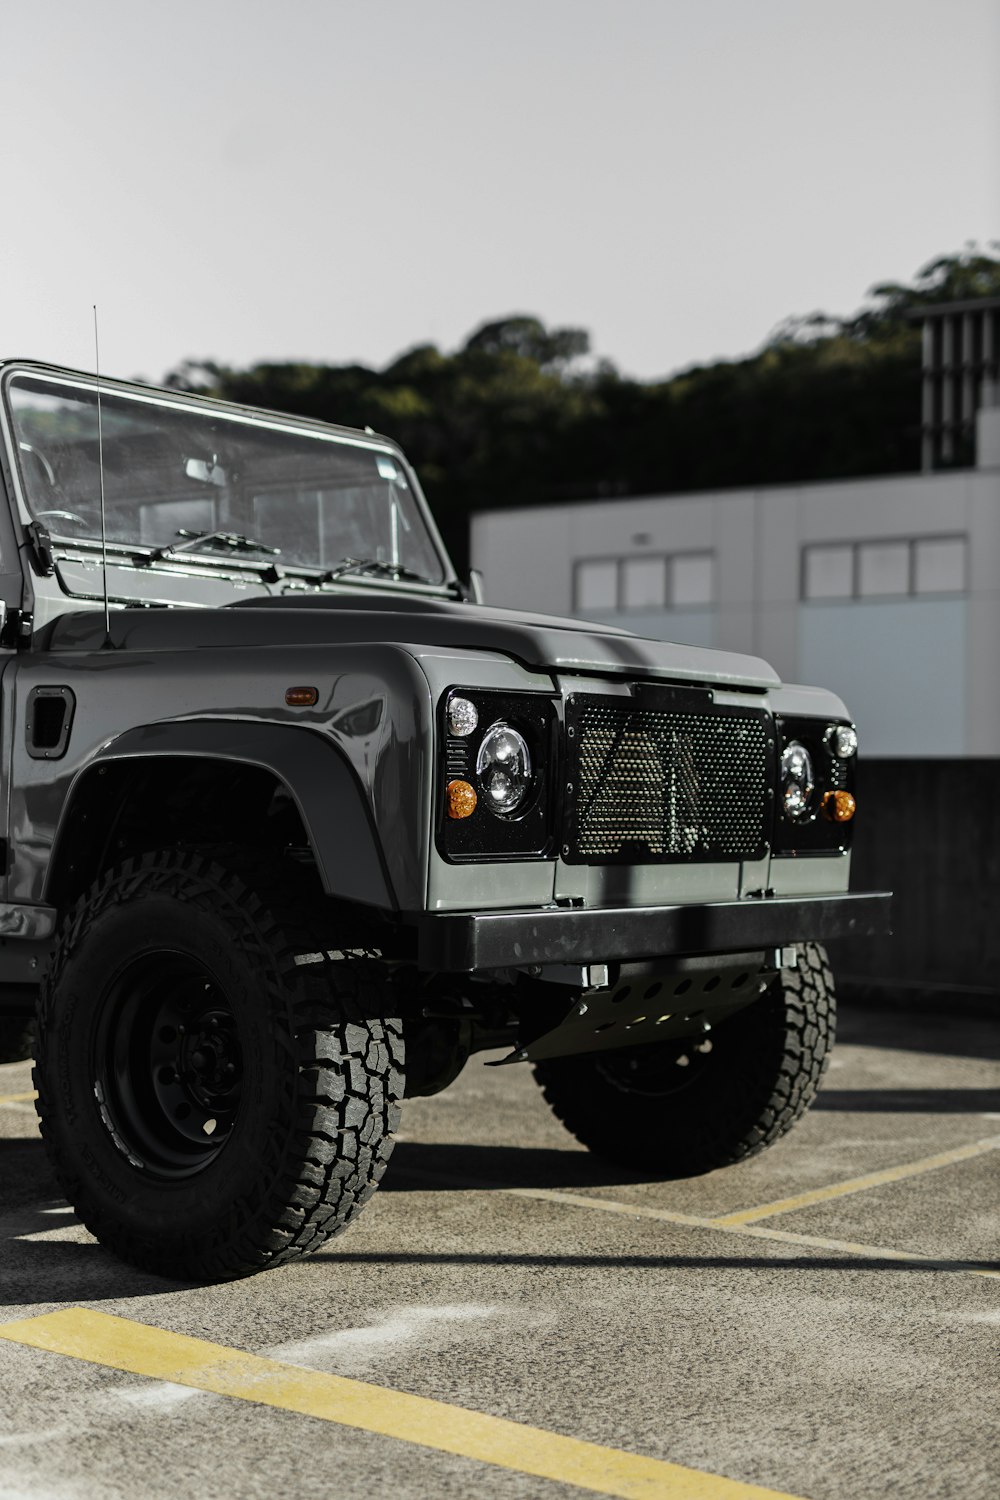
x,y
787,1034
340,1136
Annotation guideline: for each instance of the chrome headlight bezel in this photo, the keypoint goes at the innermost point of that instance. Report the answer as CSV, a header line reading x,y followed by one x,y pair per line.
x,y
504,771
842,741
798,782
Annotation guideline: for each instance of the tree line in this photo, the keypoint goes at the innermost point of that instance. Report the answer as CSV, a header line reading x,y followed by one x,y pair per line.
x,y
521,415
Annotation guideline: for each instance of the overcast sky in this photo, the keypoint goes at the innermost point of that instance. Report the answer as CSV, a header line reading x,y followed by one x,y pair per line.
x,y
339,180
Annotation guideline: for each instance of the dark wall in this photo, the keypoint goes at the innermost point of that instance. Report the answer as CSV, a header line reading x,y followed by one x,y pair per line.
x,y
930,832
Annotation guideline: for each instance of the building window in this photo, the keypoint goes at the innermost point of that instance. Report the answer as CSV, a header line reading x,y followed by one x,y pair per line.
x,y
617,585
643,582
597,585
691,580
939,565
892,568
883,568
828,573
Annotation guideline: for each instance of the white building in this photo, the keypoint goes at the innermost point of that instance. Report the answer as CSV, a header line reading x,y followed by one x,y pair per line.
x,y
886,590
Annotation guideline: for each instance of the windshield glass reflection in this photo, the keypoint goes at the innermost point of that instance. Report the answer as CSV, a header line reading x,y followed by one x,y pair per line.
x,y
170,471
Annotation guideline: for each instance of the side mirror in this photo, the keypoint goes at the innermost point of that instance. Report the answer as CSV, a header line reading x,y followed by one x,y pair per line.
x,y
476,586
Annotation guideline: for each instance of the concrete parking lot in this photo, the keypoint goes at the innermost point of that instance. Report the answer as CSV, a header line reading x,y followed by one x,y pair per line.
x,y
820,1322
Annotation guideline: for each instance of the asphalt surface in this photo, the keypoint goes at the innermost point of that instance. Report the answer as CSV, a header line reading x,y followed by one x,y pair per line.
x,y
501,1270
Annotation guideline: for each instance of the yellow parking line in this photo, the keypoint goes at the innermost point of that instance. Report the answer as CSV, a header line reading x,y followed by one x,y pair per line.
x,y
783,1236
17,1098
859,1184
123,1345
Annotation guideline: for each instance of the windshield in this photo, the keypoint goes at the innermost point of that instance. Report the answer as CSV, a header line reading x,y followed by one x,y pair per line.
x,y
172,470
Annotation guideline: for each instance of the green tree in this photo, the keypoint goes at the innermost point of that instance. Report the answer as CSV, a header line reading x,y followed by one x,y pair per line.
x,y
518,416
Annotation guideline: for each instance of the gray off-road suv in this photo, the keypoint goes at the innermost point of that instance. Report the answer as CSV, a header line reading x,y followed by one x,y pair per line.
x,y
292,826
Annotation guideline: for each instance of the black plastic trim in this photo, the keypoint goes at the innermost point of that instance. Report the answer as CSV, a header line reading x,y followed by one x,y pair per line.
x,y
325,788
528,833
814,835
463,942
39,747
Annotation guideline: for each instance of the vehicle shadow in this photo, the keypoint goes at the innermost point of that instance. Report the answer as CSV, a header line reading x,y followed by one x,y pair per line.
x,y
761,1262
936,1033
910,1101
454,1167
40,1271
39,1268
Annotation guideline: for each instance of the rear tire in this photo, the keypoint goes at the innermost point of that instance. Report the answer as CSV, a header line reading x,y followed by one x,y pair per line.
x,y
17,1038
669,1107
218,1081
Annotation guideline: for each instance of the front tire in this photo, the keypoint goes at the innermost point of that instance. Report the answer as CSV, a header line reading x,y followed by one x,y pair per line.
x,y
680,1111
218,1083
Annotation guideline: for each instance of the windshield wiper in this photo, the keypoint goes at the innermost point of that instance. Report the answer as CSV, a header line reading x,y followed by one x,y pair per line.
x,y
374,569
195,539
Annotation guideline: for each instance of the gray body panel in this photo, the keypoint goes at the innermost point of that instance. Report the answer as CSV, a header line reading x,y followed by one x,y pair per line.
x,y
231,705
558,645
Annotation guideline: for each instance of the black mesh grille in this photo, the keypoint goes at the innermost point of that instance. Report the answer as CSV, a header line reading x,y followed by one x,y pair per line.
x,y
649,785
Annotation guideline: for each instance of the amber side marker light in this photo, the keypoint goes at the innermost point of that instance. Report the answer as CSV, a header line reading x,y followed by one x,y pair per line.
x,y
839,807
301,697
461,799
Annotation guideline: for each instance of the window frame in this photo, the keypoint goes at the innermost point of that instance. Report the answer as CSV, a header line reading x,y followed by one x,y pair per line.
x,y
910,542
667,559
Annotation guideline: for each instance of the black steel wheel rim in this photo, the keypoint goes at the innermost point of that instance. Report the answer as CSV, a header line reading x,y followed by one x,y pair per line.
x,y
167,1064
658,1069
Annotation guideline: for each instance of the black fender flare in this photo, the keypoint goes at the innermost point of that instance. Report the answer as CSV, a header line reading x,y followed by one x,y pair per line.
x,y
324,786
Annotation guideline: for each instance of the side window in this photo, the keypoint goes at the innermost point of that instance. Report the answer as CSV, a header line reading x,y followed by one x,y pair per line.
x,y
11,580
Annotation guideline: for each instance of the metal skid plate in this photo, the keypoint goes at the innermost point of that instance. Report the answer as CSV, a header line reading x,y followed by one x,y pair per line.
x,y
688,997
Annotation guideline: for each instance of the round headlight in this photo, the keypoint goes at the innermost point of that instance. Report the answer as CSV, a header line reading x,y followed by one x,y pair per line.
x,y
797,782
503,767
462,716
843,741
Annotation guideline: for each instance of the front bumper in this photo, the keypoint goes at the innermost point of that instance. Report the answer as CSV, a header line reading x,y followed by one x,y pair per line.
x,y
463,942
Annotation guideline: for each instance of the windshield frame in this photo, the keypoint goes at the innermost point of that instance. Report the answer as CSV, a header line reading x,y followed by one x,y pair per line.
x,y
258,418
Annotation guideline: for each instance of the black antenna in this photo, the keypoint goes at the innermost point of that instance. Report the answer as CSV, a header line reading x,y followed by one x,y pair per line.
x,y
100,465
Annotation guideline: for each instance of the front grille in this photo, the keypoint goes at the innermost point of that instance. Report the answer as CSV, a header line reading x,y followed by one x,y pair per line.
x,y
687,781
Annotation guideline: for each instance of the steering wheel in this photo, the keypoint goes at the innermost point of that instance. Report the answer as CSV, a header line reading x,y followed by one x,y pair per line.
x,y
63,515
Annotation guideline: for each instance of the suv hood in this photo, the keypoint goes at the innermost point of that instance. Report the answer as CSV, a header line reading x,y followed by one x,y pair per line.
x,y
536,641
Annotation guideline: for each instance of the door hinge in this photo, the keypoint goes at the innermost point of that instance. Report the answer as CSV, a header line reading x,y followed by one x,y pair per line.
x,y
41,543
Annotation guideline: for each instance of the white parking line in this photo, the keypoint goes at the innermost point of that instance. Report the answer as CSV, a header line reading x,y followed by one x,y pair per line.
x,y
695,1221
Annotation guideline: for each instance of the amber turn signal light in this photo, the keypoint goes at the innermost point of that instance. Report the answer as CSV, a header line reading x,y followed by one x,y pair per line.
x,y
301,697
839,807
461,799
